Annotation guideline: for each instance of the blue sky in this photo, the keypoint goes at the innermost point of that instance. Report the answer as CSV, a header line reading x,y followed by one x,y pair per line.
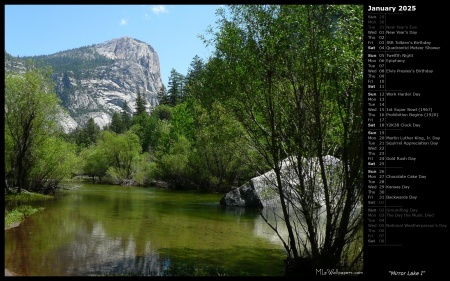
x,y
172,30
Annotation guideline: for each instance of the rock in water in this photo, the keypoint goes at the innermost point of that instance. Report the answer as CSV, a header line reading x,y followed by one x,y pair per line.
x,y
244,196
262,191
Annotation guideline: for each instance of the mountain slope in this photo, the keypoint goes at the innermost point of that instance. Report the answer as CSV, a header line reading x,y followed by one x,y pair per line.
x,y
97,80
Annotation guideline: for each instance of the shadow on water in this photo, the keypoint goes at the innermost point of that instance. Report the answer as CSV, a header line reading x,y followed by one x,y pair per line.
x,y
239,211
251,261
189,262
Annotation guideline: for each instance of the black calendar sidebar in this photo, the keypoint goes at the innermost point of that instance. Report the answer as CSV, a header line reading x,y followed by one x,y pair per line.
x,y
406,108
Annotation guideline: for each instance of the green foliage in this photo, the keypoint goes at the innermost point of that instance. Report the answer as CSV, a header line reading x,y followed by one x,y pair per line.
x,y
125,117
221,152
8,56
176,93
163,112
31,129
120,152
173,146
86,135
140,105
18,214
163,139
116,124
144,169
173,165
67,89
95,162
55,161
9,157
292,76
163,97
74,60
146,127
194,76
182,121
118,157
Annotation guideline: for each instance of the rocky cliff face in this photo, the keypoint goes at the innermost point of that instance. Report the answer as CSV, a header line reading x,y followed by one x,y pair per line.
x,y
96,81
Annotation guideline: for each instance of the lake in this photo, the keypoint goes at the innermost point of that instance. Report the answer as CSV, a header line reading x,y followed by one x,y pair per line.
x,y
117,230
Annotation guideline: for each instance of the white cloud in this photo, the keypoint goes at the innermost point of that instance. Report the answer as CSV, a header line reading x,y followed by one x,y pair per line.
x,y
123,22
159,9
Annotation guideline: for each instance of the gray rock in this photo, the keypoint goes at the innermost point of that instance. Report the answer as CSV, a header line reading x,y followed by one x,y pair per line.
x,y
244,196
130,66
66,121
262,191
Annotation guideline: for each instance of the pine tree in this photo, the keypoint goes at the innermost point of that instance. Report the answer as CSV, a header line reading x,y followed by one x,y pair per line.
x,y
163,98
140,105
176,87
193,77
125,116
88,134
195,69
116,123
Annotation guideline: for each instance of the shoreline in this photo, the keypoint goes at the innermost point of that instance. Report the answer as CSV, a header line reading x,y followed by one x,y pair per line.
x,y
9,273
14,224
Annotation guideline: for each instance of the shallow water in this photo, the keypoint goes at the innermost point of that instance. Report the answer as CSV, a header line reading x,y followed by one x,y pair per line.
x,y
116,230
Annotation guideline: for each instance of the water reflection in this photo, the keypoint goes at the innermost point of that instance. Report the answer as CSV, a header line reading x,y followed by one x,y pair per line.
x,y
94,253
110,230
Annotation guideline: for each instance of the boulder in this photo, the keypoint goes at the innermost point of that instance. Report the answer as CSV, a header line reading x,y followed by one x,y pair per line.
x,y
262,191
244,196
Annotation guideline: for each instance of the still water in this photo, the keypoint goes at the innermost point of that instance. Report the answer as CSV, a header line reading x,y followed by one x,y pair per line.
x,y
116,230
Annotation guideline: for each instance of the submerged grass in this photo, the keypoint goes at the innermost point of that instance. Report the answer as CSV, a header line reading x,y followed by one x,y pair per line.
x,y
18,214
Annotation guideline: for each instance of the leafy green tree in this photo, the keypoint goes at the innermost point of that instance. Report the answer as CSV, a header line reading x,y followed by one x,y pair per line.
x,y
162,140
163,112
120,150
173,165
144,169
31,110
55,160
95,161
172,147
182,122
220,156
146,127
278,70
